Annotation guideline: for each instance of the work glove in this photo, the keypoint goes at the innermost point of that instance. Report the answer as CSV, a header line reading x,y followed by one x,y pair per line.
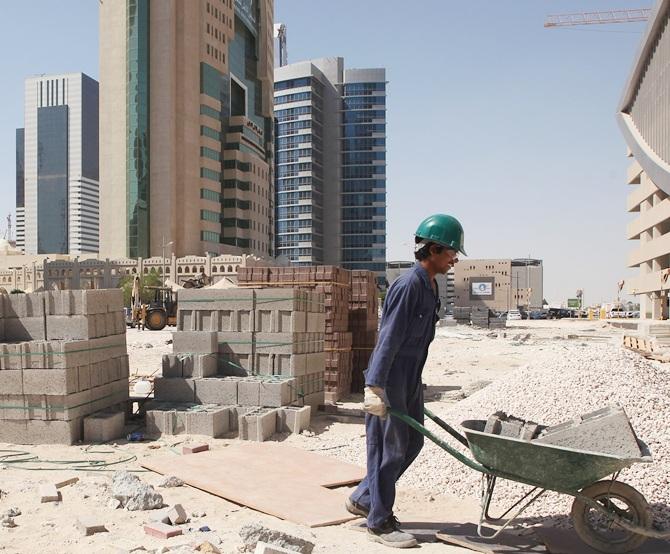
x,y
374,401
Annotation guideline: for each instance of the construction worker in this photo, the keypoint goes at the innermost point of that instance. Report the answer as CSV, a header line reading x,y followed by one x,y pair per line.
x,y
393,377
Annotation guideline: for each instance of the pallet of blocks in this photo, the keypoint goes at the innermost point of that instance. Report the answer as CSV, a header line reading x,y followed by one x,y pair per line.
x,y
462,315
363,323
335,285
244,360
63,367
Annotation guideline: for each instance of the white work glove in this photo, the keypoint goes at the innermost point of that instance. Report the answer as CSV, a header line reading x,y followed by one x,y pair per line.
x,y
374,401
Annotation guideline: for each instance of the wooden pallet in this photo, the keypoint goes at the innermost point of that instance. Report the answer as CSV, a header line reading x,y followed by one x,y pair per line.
x,y
638,343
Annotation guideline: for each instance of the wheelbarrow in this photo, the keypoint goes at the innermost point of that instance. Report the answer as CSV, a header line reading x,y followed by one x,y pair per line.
x,y
608,515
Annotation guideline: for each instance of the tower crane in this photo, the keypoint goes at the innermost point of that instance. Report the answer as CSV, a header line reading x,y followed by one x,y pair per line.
x,y
598,18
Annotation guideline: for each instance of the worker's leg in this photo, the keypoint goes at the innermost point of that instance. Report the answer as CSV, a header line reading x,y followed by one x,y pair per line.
x,y
387,448
415,443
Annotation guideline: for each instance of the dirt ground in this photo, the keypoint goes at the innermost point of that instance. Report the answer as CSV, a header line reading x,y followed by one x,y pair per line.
x,y
461,361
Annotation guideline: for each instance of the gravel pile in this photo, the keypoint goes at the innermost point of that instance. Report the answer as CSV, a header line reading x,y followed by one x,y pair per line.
x,y
564,380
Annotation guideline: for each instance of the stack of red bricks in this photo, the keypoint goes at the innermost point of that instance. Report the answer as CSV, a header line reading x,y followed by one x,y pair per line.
x,y
363,322
335,283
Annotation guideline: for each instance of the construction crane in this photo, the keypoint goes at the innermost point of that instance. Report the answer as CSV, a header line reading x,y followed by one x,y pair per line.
x,y
598,18
280,35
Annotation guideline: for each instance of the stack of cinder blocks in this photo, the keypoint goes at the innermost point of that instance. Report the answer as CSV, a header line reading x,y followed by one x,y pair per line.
x,y
335,284
241,354
363,323
63,357
462,315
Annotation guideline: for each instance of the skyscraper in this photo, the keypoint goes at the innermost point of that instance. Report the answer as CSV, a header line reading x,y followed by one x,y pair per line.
x,y
186,125
331,164
57,166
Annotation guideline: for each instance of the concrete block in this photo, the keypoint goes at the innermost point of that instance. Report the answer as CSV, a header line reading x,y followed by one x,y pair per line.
x,y
171,364
72,327
11,356
239,365
160,422
235,343
96,301
248,392
213,422
161,530
205,365
177,515
258,425
49,493
65,354
25,305
217,390
11,382
314,400
194,448
88,526
40,432
61,302
50,381
104,426
194,342
294,419
607,431
316,322
174,389
276,392
24,328
236,412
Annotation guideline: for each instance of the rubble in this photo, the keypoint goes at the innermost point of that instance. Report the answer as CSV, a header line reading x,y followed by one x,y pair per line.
x,y
170,482
254,533
133,493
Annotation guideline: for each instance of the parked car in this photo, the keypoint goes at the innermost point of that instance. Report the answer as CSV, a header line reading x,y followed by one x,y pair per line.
x,y
513,315
615,313
559,313
537,314
633,314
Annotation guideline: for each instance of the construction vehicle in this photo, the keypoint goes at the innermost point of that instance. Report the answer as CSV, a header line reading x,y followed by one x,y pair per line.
x,y
162,310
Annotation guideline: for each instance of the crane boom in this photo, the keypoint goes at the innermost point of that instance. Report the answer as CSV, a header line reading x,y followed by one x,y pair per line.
x,y
598,18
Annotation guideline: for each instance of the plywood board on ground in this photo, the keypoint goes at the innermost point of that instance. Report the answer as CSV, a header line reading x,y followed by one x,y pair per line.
x,y
285,482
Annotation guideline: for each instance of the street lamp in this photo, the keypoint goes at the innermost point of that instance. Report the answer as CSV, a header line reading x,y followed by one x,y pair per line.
x,y
163,245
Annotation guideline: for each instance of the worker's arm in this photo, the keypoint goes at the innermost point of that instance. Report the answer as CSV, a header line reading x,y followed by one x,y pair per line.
x,y
398,311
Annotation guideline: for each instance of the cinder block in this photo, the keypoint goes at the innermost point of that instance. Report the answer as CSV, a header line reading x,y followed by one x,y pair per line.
x,y
161,530
212,422
50,381
316,322
11,356
174,389
607,430
160,422
72,327
25,305
95,302
258,425
248,392
239,365
205,365
235,343
194,342
293,419
60,302
177,515
236,412
11,382
171,364
24,328
49,493
217,390
277,392
104,426
51,432
89,526
314,400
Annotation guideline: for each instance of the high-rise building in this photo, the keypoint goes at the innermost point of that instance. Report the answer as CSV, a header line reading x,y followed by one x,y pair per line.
x,y
57,165
186,125
331,164
20,189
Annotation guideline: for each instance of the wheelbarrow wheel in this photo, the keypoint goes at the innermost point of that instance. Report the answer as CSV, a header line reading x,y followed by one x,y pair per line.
x,y
600,531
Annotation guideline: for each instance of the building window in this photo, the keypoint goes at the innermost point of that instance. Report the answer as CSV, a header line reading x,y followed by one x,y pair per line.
x,y
210,236
207,173
208,194
208,215
209,153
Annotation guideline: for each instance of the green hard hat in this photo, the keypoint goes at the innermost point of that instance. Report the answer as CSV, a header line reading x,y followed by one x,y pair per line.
x,y
442,229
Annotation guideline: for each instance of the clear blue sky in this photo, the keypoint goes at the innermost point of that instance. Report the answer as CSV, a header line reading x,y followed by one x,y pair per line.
x,y
505,124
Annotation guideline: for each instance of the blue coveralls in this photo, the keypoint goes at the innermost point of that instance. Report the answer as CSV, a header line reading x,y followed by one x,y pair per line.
x,y
407,329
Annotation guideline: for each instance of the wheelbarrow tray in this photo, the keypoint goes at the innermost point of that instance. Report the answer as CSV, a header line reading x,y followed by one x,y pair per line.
x,y
543,465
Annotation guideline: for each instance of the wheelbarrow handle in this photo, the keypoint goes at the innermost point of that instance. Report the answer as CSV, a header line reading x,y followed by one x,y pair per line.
x,y
414,424
448,428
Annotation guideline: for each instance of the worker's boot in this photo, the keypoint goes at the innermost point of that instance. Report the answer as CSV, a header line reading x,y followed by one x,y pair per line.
x,y
355,508
390,534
